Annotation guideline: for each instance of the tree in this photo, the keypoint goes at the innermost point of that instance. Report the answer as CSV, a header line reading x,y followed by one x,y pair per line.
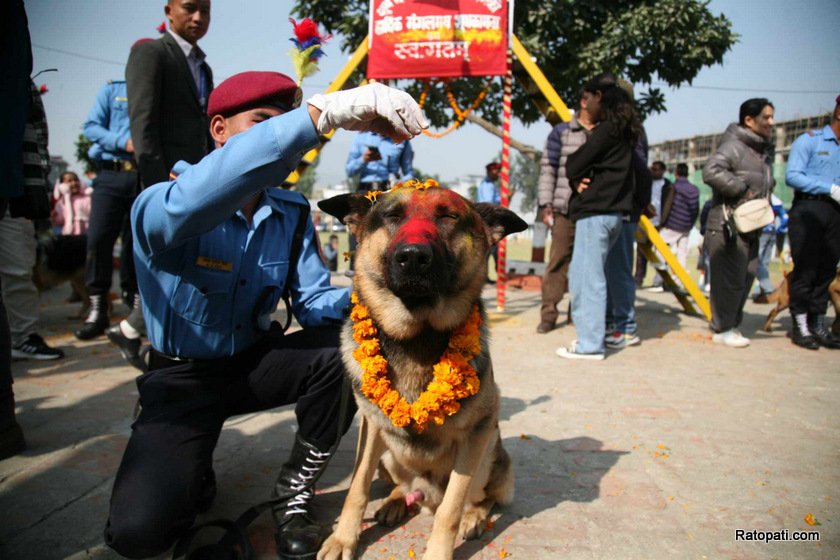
x,y
572,40
524,175
82,147
307,180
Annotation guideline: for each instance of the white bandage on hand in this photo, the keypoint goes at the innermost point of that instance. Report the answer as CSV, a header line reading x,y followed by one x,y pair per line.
x,y
373,107
835,193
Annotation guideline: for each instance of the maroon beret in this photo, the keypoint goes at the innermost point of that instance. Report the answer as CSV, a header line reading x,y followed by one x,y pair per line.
x,y
837,100
247,90
493,165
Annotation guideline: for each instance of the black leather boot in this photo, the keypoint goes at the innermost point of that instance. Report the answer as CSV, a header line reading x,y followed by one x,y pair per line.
x,y
298,536
802,337
816,324
97,319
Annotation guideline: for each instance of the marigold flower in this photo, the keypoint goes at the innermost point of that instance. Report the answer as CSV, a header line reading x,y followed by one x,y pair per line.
x,y
401,414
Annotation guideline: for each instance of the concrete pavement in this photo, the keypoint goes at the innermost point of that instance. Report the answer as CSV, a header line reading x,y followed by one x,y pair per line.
x,y
662,450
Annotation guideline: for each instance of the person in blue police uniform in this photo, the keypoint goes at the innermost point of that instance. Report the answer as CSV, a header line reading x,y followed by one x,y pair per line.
x,y
374,159
215,249
813,171
114,189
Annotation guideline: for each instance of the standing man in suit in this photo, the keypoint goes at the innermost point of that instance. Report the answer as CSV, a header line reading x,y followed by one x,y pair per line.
x,y
168,85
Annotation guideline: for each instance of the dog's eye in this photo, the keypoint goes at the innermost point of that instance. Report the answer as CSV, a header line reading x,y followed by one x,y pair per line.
x,y
393,215
449,217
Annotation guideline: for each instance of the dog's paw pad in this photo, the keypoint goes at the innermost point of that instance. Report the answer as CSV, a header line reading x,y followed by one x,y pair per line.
x,y
392,512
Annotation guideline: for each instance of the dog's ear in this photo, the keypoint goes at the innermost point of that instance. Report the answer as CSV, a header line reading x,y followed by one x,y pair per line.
x,y
501,221
351,209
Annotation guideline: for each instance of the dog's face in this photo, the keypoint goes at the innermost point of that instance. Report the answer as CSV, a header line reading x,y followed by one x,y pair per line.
x,y
422,254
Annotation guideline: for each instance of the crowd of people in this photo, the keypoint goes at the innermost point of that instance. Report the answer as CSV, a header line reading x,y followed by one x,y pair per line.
x,y
183,177
593,187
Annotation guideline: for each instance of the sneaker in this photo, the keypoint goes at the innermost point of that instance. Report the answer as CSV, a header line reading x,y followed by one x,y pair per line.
x,y
731,338
620,340
571,353
349,273
655,289
34,348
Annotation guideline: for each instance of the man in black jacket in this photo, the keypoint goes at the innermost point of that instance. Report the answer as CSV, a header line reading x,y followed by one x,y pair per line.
x,y
168,85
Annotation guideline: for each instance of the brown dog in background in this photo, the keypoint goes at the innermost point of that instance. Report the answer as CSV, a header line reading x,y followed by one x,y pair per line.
x,y
421,264
781,296
60,259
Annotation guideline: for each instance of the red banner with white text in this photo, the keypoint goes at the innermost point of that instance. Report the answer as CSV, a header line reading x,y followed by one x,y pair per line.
x,y
437,38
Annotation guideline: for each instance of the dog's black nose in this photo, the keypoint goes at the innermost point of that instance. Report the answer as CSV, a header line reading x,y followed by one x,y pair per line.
x,y
413,258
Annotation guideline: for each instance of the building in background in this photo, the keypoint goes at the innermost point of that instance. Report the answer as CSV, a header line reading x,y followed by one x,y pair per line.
x,y
696,150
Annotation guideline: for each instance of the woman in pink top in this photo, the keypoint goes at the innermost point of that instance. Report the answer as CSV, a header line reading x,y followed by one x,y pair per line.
x,y
72,207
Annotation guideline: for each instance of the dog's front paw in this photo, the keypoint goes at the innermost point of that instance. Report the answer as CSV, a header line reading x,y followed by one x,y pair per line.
x,y
392,512
337,549
473,523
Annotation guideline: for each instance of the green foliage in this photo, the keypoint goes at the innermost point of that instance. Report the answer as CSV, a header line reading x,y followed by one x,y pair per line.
x,y
524,176
307,180
573,40
82,147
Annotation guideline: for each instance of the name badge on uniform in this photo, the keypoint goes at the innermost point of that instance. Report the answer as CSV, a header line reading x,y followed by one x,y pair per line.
x,y
823,153
120,98
214,264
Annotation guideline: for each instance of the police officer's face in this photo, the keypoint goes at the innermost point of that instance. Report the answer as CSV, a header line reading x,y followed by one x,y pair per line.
x,y
189,18
222,128
762,124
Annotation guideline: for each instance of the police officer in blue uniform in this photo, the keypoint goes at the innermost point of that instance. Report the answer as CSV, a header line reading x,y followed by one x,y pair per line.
x,y
215,250
114,189
813,171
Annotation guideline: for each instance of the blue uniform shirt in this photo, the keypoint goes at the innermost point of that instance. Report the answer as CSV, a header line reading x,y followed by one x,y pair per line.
x,y
397,159
107,123
814,162
488,192
202,268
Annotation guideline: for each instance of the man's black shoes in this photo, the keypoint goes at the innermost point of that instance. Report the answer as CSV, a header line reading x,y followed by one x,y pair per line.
x,y
129,347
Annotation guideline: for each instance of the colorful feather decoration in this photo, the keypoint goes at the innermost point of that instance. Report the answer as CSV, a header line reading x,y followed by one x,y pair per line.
x,y
307,47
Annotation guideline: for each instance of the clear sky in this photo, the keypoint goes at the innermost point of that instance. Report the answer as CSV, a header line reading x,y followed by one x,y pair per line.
x,y
787,49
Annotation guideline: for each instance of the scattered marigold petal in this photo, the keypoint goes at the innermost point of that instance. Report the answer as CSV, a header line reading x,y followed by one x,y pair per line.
x,y
810,520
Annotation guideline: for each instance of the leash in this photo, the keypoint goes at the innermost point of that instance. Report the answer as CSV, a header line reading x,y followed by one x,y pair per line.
x,y
234,544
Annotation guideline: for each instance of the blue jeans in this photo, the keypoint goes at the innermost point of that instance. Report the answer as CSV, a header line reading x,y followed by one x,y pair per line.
x,y
594,236
766,246
621,286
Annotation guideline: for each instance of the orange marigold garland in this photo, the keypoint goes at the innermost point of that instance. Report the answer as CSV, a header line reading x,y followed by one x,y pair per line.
x,y
453,376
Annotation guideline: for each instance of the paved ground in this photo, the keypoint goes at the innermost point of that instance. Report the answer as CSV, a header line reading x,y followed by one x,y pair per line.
x,y
662,450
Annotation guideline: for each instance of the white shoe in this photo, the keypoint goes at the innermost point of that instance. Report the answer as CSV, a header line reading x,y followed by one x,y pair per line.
x,y
656,289
731,338
571,353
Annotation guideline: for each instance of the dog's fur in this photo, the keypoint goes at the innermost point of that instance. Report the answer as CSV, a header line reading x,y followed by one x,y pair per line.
x,y
421,263
61,259
781,297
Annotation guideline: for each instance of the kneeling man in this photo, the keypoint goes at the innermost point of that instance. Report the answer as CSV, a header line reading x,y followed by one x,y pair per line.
x,y
216,248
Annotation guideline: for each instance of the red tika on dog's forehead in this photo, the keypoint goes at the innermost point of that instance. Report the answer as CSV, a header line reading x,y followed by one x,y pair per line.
x,y
422,208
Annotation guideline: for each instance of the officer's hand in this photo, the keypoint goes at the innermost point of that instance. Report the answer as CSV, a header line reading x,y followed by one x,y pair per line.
x,y
129,146
835,193
375,107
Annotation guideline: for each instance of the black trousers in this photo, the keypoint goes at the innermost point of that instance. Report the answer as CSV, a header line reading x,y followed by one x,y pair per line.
x,y
171,446
113,194
814,234
733,266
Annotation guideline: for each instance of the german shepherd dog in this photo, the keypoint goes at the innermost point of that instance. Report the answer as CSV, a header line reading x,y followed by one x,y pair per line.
x,y
781,297
60,259
421,263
